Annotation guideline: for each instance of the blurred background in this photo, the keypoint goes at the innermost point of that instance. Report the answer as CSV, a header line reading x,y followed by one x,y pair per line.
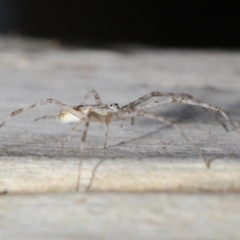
x,y
165,23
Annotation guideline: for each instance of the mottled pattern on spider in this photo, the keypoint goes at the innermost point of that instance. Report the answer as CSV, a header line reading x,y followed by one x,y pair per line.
x,y
103,113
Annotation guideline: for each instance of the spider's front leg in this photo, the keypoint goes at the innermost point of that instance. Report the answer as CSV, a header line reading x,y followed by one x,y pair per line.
x,y
132,105
148,96
190,101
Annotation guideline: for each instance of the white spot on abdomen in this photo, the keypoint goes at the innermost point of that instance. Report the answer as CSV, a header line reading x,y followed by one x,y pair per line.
x,y
68,118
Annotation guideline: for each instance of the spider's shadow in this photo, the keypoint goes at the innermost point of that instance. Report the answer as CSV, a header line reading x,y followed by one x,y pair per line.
x,y
180,114
141,137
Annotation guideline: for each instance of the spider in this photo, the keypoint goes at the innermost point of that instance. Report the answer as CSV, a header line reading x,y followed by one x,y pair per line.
x,y
104,113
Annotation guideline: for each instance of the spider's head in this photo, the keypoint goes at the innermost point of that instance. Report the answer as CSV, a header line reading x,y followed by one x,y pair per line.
x,y
114,107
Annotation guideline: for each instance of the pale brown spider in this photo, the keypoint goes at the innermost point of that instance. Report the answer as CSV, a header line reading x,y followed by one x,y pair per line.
x,y
112,112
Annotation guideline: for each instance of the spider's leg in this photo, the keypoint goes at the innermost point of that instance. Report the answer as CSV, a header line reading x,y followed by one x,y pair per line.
x,y
132,105
189,102
47,117
108,119
101,118
169,122
96,96
216,119
146,97
191,144
71,133
207,106
43,102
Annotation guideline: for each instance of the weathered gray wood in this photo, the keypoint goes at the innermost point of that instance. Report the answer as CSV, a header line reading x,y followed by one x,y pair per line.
x,y
31,175
145,157
120,216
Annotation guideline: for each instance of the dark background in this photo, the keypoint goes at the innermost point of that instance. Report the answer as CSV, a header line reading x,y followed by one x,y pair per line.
x,y
163,23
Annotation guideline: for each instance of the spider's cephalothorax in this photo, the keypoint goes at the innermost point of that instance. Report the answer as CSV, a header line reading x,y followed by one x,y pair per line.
x,y
114,107
106,113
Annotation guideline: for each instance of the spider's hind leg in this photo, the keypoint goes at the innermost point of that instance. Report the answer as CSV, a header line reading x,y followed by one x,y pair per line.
x,y
150,95
43,102
47,117
189,101
100,118
208,106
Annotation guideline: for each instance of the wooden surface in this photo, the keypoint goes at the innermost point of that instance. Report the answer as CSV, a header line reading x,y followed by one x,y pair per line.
x,y
188,198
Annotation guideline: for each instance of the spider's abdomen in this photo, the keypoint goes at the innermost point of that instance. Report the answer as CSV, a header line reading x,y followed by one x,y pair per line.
x,y
66,117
